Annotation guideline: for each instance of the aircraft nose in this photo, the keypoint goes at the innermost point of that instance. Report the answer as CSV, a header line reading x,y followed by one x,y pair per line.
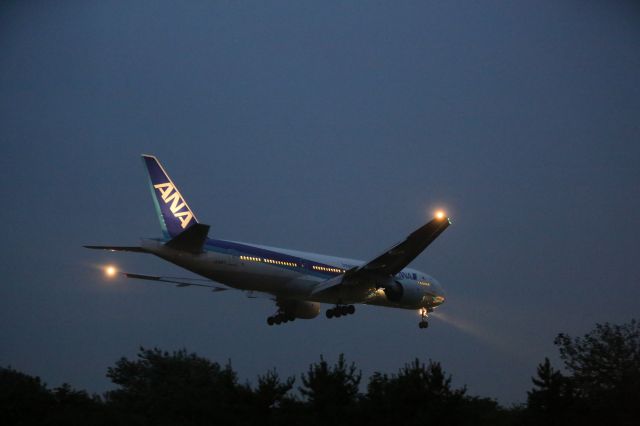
x,y
440,296
439,290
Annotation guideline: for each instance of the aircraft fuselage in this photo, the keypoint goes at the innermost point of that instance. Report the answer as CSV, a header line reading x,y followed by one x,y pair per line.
x,y
293,274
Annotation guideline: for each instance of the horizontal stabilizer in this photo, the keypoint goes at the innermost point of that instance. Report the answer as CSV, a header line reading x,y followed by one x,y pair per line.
x,y
118,248
192,240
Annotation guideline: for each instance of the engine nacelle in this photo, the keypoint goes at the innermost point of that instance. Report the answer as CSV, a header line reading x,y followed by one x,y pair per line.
x,y
394,291
300,309
406,296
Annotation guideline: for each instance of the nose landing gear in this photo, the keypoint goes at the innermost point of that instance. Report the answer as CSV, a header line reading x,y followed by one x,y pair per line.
x,y
341,310
423,318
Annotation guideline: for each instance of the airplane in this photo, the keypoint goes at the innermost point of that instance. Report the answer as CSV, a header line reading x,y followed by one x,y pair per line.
x,y
297,281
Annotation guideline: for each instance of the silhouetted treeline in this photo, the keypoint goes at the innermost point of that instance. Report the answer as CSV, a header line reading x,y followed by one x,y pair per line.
x,y
599,384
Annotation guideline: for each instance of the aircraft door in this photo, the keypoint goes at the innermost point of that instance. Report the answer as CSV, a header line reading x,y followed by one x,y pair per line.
x,y
233,258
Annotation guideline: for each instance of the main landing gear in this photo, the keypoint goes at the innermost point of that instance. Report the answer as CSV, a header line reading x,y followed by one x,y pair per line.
x,y
423,318
341,310
280,317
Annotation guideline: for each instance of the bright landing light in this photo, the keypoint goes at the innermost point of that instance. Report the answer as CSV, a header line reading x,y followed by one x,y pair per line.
x,y
110,271
440,214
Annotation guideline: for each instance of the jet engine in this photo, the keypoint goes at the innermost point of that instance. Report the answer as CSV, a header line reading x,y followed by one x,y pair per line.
x,y
408,296
393,291
300,309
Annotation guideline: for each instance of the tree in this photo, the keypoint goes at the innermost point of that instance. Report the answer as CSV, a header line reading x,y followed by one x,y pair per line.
x,y
77,407
24,400
331,392
420,393
604,368
163,388
270,391
602,380
270,398
550,401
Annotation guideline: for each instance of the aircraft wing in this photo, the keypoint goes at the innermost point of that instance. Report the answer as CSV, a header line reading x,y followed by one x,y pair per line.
x,y
400,255
326,285
178,282
391,261
194,282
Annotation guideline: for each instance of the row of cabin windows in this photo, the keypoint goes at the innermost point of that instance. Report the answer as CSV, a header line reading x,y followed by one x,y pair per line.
x,y
271,261
325,269
251,258
292,264
281,262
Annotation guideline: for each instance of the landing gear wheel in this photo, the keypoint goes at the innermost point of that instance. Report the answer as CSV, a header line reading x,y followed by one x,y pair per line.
x,y
423,318
281,316
340,311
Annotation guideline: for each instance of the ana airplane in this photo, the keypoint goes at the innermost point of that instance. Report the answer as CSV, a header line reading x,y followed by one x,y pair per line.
x,y
297,281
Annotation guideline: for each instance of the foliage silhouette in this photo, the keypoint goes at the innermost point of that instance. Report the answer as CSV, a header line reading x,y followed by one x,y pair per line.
x,y
600,384
25,400
422,393
551,400
332,392
163,388
270,399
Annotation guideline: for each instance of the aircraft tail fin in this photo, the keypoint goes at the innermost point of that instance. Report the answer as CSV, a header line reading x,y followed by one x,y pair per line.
x,y
173,212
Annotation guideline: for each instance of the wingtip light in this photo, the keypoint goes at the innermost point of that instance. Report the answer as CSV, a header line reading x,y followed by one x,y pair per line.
x,y
440,214
110,271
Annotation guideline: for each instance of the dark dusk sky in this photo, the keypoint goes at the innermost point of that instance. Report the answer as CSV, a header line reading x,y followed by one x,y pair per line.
x,y
332,127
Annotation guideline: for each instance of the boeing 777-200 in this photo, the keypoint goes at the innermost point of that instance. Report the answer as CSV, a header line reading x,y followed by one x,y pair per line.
x,y
297,281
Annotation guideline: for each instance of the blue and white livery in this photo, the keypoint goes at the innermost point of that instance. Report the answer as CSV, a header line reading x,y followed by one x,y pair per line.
x,y
297,281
